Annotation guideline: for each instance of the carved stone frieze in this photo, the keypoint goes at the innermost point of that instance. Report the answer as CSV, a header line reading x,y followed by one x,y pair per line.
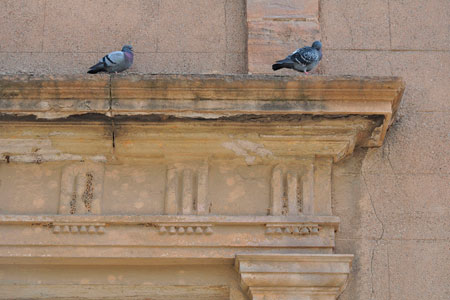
x,y
294,229
188,229
292,190
81,189
301,188
91,228
186,189
218,238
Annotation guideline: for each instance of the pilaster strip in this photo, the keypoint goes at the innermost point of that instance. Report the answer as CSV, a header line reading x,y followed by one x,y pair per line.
x,y
277,191
308,191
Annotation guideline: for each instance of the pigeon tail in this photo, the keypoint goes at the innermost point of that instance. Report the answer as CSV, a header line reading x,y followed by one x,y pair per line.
x,y
285,63
100,67
277,66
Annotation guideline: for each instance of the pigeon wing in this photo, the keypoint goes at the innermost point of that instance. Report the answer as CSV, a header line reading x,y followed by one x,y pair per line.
x,y
113,58
305,56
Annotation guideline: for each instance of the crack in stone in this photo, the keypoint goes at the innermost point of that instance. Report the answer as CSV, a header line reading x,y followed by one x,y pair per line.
x,y
377,241
347,22
395,176
389,273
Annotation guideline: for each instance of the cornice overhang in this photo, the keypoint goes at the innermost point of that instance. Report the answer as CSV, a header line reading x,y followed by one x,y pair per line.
x,y
336,113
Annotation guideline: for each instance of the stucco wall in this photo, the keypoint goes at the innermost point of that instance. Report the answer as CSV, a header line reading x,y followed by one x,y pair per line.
x,y
394,201
169,36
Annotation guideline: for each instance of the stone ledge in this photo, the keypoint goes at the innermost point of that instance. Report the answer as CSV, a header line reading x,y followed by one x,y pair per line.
x,y
150,219
151,98
158,238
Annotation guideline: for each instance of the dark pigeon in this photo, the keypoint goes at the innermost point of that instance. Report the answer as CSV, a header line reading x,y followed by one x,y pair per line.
x,y
114,62
303,60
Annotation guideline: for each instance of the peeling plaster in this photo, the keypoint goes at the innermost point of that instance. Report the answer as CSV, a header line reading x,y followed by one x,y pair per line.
x,y
60,133
38,158
98,158
24,146
247,149
37,151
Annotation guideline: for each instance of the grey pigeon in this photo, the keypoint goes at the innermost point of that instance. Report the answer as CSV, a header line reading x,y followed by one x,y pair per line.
x,y
303,60
114,62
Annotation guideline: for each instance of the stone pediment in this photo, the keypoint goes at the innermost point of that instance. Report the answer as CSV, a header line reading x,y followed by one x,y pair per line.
x,y
187,169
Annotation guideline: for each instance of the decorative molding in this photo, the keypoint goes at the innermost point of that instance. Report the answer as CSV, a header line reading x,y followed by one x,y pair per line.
x,y
301,188
65,227
186,189
215,220
81,189
292,189
293,276
189,229
161,238
294,229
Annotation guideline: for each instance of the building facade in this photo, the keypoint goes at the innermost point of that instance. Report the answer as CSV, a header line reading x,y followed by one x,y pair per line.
x,y
200,186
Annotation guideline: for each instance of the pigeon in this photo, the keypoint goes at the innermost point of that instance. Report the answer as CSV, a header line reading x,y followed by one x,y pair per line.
x,y
303,60
114,62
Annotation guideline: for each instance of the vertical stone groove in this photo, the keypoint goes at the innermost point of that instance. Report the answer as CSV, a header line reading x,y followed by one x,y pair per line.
x,y
187,190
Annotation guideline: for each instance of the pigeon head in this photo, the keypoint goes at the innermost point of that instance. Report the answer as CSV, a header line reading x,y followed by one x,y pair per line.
x,y
127,48
317,45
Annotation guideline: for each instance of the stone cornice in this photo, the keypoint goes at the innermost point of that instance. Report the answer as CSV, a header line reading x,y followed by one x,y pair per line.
x,y
164,238
167,219
204,96
317,115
